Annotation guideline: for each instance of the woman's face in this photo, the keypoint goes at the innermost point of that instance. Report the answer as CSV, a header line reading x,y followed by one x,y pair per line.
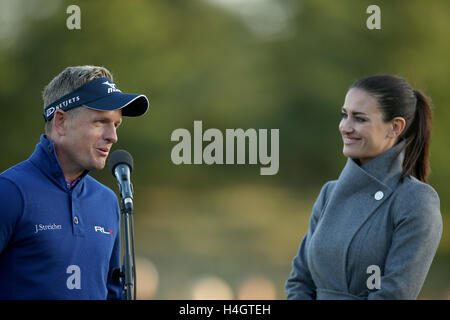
x,y
363,131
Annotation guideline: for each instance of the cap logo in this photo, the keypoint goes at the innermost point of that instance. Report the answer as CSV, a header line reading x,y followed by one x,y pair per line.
x,y
61,105
112,87
50,111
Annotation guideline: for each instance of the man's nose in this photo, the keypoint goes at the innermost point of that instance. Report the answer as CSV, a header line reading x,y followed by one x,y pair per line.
x,y
111,134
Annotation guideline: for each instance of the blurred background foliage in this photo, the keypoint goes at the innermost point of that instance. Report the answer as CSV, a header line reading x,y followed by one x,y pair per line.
x,y
232,64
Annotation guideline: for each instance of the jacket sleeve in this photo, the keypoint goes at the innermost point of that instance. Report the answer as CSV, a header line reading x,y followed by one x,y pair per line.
x,y
115,287
417,232
300,285
11,209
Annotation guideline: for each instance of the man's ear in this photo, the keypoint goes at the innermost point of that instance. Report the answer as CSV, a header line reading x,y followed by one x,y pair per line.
x,y
397,126
60,122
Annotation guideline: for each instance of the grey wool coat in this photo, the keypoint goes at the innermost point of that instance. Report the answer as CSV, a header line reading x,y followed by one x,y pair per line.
x,y
366,220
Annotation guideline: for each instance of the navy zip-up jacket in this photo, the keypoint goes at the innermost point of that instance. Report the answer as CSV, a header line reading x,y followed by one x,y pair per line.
x,y
56,242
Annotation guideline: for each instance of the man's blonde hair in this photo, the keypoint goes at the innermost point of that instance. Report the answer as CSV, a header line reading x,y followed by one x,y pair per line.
x,y
69,80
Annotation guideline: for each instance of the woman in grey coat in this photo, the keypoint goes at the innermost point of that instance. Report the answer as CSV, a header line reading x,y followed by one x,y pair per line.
x,y
374,231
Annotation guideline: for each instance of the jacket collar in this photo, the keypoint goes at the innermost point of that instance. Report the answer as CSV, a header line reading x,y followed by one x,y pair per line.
x,y
386,167
381,173
44,157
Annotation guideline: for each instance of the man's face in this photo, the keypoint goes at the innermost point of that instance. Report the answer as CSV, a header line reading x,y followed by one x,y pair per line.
x,y
88,138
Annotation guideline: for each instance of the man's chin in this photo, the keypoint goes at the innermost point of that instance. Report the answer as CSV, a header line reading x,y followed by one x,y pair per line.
x,y
98,165
101,167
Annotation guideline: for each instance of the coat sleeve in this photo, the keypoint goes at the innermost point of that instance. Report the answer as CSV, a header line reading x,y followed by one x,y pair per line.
x,y
417,232
300,285
11,209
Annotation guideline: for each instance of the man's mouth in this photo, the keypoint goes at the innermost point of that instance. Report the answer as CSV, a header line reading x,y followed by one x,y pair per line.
x,y
103,151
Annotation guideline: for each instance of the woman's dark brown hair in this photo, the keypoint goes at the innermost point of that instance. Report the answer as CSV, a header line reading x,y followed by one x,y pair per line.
x,y
396,98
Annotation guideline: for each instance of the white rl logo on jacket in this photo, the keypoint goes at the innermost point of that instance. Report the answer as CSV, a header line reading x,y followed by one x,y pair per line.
x,y
102,230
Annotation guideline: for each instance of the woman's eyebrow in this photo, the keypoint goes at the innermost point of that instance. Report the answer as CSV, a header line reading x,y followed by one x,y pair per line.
x,y
355,113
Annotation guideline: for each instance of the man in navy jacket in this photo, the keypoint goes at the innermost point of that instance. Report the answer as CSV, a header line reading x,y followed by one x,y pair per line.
x,y
59,227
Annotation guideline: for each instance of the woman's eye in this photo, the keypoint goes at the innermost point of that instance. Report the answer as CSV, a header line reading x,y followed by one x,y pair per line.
x,y
360,119
343,115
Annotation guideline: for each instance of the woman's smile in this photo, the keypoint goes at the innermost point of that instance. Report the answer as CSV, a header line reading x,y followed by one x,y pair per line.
x,y
349,140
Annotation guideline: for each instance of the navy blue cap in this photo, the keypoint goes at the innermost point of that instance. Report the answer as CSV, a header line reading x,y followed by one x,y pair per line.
x,y
100,94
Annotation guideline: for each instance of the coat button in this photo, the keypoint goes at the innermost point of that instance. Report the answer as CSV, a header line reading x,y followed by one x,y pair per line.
x,y
379,195
75,220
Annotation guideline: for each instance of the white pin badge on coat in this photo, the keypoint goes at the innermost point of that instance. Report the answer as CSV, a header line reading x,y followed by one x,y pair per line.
x,y
379,195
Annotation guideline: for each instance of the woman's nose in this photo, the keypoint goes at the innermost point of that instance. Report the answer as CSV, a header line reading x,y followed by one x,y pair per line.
x,y
345,126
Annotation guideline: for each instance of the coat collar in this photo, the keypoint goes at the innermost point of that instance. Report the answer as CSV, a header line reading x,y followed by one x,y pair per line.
x,y
356,195
385,168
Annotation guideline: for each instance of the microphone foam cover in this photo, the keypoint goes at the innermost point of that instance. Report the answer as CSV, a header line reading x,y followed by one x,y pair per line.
x,y
120,157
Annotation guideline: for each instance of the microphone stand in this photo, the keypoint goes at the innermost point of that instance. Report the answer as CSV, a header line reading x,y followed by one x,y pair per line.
x,y
128,272
129,267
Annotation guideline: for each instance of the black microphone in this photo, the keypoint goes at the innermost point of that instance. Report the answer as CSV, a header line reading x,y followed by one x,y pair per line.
x,y
120,164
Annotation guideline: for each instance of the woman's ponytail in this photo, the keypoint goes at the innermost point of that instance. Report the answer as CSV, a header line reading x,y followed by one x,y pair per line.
x,y
416,162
